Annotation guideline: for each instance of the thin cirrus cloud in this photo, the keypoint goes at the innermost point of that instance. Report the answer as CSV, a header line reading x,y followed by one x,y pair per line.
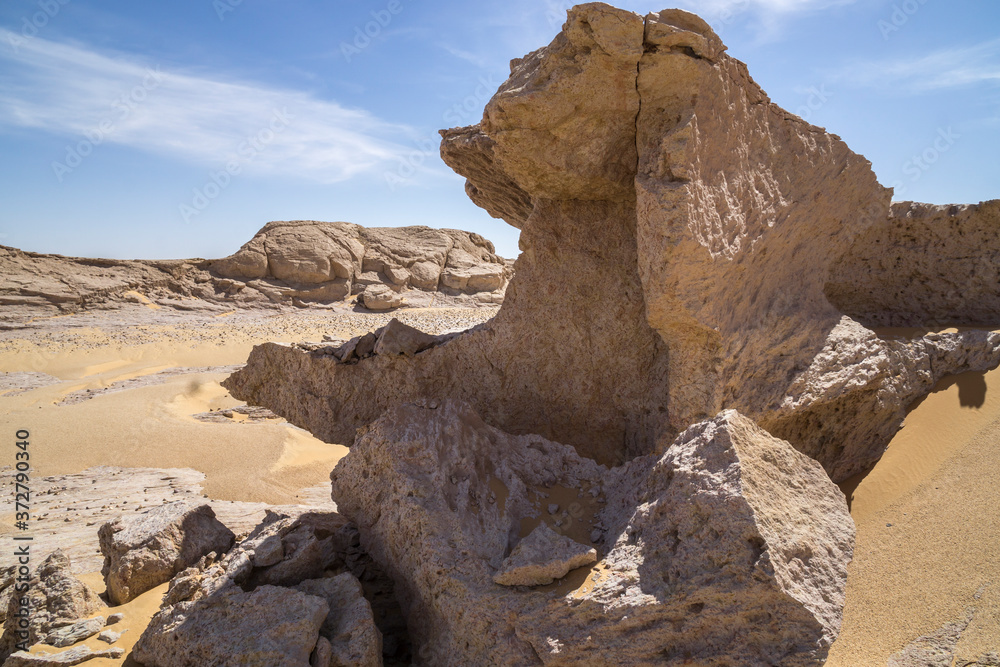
x,y
71,91
939,70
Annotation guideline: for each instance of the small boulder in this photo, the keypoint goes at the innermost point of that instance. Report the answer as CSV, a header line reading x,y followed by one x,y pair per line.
x,y
381,297
143,552
542,557
77,632
268,627
110,636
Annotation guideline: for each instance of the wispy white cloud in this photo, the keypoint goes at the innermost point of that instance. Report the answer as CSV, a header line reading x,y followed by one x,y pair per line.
x,y
73,91
939,70
467,56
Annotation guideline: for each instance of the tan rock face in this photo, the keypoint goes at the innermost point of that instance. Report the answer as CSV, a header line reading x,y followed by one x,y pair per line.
x,y
732,547
542,557
326,261
924,265
349,627
688,247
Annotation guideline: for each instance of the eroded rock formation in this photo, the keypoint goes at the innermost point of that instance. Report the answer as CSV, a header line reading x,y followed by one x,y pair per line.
x,y
688,247
295,263
731,548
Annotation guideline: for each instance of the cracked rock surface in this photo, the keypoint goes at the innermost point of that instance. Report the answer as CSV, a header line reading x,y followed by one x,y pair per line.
x,y
730,548
715,243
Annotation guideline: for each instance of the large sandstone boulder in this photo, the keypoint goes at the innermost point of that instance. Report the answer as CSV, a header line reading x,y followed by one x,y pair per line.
x,y
55,599
731,548
147,550
688,247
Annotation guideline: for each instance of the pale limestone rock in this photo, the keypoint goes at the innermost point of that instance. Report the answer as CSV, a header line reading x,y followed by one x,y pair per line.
x,y
440,498
55,599
933,650
268,627
542,557
349,627
322,654
74,656
98,495
313,545
853,397
77,632
381,297
144,551
110,636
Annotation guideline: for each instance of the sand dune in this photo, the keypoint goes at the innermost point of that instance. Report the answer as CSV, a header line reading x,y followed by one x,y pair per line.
x,y
928,529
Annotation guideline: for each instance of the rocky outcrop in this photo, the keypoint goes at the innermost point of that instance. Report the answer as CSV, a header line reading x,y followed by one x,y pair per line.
x,y
731,548
95,496
853,397
55,598
77,632
296,263
313,553
688,247
142,552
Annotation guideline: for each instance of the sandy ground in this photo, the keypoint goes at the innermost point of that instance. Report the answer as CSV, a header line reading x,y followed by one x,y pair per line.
x,y
123,389
928,515
928,520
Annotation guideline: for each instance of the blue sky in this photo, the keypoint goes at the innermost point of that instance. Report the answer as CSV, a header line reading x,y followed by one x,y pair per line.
x,y
177,129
